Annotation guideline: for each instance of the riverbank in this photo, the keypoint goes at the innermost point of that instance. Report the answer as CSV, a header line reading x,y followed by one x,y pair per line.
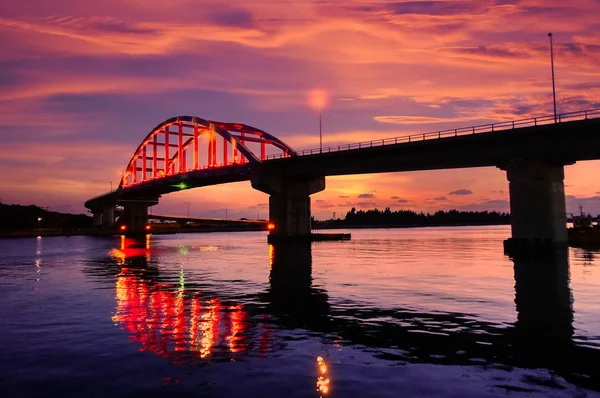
x,y
156,230
170,229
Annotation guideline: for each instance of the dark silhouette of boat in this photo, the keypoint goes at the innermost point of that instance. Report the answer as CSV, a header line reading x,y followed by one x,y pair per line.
x,y
584,232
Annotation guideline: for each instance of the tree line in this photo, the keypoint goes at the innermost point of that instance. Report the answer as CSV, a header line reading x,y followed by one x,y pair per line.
x,y
411,218
17,217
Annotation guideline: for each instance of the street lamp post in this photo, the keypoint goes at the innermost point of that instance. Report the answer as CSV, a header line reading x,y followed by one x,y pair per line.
x,y
320,129
188,209
553,85
318,100
39,222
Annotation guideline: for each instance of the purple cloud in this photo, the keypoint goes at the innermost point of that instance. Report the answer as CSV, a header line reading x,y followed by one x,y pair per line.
x,y
432,7
366,204
234,18
461,192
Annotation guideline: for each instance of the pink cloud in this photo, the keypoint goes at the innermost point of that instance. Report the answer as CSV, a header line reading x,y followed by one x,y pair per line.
x,y
87,81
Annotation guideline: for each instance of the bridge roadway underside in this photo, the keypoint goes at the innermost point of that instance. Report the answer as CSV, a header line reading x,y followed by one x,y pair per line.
x,y
534,158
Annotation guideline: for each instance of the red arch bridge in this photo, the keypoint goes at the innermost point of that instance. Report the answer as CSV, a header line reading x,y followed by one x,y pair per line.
x,y
187,152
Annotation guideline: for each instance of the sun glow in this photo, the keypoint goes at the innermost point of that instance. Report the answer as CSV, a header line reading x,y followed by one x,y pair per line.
x,y
318,99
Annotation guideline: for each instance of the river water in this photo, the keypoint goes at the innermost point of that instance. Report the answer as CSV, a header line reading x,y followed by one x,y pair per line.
x,y
423,312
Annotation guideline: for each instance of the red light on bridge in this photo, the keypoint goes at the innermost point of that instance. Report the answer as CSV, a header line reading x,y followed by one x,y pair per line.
x,y
270,226
147,227
123,227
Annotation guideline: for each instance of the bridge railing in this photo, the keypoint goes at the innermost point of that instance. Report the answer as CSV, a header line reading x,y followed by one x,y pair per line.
x,y
483,128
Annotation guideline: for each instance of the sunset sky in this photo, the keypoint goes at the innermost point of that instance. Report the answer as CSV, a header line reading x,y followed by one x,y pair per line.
x,y
82,83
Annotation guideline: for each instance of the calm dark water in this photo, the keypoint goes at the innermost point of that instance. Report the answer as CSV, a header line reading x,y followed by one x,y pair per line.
x,y
435,312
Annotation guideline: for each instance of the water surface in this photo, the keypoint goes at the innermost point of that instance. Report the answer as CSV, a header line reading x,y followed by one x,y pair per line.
x,y
417,312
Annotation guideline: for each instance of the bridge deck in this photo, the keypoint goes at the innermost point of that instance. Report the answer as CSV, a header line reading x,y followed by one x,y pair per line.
x,y
573,137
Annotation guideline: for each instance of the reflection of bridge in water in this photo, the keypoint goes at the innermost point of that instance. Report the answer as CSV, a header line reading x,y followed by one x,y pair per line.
x,y
167,315
164,318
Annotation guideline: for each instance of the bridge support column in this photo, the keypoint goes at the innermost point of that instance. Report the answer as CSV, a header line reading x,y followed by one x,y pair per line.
x,y
289,204
108,217
97,219
537,205
134,218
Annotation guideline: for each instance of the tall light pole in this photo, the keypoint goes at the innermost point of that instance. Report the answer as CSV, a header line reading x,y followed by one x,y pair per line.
x,y
226,209
320,129
188,209
318,100
553,85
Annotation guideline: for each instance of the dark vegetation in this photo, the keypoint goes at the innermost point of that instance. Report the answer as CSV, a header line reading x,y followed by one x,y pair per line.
x,y
409,218
20,218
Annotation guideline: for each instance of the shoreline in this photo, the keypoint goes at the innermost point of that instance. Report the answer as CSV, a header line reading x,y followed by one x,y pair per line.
x,y
399,226
104,233
188,230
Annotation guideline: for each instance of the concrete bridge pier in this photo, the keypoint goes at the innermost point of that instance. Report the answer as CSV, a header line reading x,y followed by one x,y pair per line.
x,y
134,217
537,206
104,217
97,219
289,204
108,217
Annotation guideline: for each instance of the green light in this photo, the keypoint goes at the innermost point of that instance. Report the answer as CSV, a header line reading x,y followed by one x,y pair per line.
x,y
181,283
182,185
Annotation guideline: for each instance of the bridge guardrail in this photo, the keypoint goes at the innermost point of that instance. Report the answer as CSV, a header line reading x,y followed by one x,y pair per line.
x,y
483,128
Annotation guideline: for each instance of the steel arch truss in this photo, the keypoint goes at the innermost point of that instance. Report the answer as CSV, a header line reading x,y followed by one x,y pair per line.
x,y
187,143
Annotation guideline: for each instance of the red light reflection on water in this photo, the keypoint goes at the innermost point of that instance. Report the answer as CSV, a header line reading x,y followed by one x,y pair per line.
x,y
172,322
238,330
167,322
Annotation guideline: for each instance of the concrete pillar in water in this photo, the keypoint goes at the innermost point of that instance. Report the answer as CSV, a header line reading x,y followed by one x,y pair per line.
x,y
108,217
289,203
134,218
537,202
